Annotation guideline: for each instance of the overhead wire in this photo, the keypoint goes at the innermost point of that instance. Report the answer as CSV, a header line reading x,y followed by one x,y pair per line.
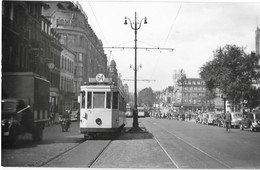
x,y
97,22
167,37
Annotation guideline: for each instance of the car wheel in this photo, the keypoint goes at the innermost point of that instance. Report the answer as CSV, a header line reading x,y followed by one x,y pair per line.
x,y
241,127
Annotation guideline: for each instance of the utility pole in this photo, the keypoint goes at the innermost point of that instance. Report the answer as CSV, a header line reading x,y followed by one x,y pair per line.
x,y
135,26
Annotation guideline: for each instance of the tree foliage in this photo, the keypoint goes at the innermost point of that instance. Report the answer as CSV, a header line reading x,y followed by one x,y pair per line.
x,y
232,71
146,96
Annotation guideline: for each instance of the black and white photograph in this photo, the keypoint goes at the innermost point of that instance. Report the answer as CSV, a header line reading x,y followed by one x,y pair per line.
x,y
130,84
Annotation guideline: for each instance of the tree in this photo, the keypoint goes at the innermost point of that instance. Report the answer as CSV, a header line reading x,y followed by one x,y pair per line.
x,y
232,71
146,96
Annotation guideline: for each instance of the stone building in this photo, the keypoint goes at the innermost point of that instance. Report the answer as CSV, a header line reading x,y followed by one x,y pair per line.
x,y
69,20
52,49
21,42
29,44
67,85
195,96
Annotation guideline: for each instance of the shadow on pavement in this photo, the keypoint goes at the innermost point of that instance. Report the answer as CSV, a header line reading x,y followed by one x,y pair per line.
x,y
29,143
138,135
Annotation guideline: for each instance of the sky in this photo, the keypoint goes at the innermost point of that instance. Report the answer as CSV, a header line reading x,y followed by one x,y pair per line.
x,y
193,29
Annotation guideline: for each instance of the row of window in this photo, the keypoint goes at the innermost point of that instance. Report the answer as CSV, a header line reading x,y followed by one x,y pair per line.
x,y
195,88
66,84
102,100
190,101
198,82
67,64
194,94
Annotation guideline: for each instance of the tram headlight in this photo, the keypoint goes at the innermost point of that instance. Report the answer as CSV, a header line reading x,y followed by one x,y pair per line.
x,y
99,121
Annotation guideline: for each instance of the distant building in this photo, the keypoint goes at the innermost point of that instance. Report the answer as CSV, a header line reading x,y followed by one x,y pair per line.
x,y
195,96
177,95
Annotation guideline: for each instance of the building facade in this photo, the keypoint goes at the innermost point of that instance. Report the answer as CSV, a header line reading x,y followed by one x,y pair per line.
x,y
70,21
29,44
52,49
22,49
195,96
67,79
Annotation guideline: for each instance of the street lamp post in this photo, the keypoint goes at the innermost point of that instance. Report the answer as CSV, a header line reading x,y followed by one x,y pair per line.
x,y
135,26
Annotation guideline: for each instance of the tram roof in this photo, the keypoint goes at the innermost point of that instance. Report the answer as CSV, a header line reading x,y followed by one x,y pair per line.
x,y
106,84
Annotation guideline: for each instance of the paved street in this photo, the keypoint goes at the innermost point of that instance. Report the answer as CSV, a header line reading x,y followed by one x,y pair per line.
x,y
193,145
163,144
30,153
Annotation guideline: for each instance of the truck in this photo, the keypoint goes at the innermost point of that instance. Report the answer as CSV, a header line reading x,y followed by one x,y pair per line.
x,y
25,105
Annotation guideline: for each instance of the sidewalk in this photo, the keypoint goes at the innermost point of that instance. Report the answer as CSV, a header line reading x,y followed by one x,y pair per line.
x,y
134,150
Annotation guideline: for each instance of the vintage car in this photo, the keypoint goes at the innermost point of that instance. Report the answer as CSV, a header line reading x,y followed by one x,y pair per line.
x,y
251,121
199,119
18,119
220,119
204,118
212,118
236,119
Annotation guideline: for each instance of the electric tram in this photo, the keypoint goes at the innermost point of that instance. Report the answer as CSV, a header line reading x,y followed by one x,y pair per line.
x,y
102,106
140,111
129,111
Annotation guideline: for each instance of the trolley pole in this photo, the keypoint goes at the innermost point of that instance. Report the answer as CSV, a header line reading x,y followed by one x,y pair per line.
x,y
135,28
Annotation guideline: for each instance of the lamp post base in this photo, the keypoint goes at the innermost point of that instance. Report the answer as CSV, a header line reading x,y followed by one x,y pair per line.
x,y
135,129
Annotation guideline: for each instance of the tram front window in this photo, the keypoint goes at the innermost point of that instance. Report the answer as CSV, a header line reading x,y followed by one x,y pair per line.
x,y
99,100
115,100
89,100
108,100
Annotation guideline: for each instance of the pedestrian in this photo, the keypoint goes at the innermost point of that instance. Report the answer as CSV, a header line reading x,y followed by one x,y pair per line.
x,y
228,120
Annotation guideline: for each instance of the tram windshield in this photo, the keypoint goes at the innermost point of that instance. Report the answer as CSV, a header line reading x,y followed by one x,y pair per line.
x,y
98,100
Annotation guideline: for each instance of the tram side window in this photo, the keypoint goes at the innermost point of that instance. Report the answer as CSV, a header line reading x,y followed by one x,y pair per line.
x,y
89,100
115,100
108,105
83,97
99,100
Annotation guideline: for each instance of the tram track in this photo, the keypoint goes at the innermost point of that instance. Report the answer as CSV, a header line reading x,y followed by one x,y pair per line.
x,y
175,163
85,154
42,164
92,164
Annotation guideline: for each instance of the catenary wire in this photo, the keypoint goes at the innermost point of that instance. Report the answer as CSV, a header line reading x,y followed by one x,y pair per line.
x,y
97,22
175,18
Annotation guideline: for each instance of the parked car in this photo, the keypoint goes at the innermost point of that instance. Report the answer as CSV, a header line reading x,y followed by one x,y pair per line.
x,y
220,119
199,119
204,118
212,118
251,121
236,119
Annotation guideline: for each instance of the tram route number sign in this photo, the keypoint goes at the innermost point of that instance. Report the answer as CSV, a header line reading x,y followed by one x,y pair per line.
x,y
100,78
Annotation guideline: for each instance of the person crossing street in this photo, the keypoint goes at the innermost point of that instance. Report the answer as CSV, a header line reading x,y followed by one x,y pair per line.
x,y
228,120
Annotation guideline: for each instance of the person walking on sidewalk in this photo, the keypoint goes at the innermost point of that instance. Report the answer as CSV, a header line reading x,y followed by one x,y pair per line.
x,y
228,120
